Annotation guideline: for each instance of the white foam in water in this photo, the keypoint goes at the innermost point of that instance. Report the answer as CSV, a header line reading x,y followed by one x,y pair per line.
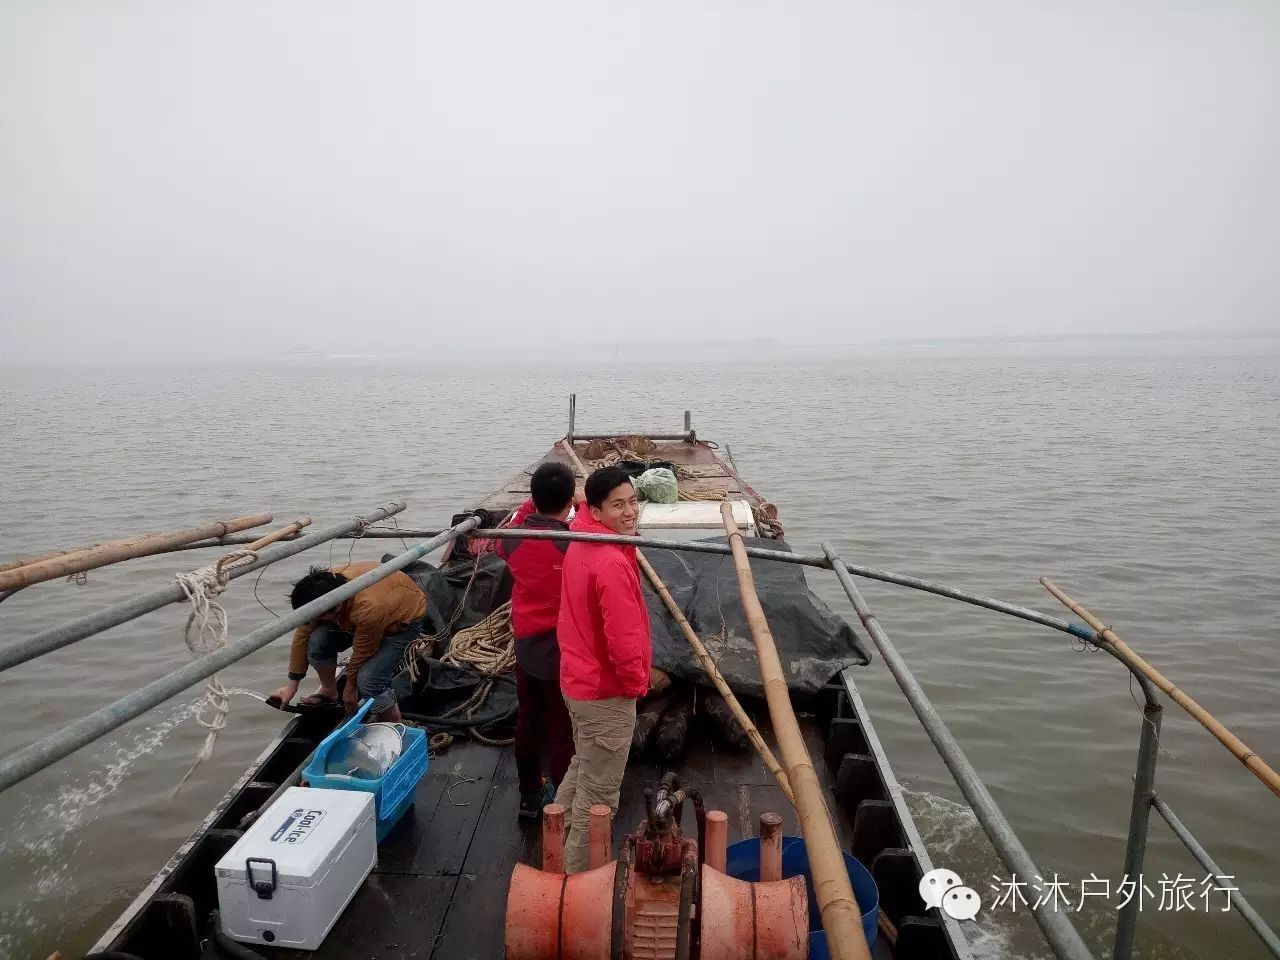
x,y
955,841
43,837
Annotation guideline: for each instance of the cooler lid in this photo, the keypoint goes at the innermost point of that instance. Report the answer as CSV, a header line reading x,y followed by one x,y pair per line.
x,y
300,833
702,516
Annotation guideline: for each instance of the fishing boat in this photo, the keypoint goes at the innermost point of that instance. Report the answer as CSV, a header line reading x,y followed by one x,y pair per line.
x,y
444,874
440,885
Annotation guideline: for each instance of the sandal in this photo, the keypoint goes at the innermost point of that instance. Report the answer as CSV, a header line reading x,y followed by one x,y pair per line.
x,y
319,700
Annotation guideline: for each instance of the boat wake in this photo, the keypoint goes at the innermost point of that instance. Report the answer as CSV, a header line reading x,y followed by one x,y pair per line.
x,y
45,835
955,840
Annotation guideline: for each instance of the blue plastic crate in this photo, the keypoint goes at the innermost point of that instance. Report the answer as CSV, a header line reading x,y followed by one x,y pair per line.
x,y
393,791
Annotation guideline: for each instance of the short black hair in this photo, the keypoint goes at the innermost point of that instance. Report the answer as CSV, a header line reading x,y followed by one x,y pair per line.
x,y
314,585
603,482
551,487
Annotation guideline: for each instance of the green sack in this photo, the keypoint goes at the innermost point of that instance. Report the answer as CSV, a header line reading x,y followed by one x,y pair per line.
x,y
658,485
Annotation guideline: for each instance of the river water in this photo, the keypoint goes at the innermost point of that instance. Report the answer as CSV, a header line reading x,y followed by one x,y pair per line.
x,y
1143,477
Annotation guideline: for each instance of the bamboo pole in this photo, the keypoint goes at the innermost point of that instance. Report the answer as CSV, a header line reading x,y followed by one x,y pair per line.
x,y
252,544
744,721
841,915
89,559
1257,766
717,678
27,561
573,456
277,535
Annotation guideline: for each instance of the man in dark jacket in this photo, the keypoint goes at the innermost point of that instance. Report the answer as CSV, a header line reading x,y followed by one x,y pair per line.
x,y
542,720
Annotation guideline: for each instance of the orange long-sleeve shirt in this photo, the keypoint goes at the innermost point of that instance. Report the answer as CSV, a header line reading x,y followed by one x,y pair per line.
x,y
387,606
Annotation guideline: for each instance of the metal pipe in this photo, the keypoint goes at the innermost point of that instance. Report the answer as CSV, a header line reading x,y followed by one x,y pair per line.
x,y
404,533
694,546
90,558
573,414
1139,815
17,766
1237,899
784,556
756,553
688,421
1057,929
69,633
633,433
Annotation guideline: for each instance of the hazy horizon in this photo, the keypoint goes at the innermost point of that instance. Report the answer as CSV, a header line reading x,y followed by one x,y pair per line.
x,y
207,180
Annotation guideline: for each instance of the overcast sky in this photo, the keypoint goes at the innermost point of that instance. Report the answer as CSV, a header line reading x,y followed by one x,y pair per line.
x,y
181,179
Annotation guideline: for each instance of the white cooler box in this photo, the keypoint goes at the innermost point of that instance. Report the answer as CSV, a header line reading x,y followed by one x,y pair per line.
x,y
288,879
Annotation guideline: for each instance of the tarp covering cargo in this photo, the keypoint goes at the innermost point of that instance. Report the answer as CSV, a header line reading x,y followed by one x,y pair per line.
x,y
814,644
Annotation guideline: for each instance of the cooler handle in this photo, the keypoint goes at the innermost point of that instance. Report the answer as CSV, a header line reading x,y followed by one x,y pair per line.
x,y
263,888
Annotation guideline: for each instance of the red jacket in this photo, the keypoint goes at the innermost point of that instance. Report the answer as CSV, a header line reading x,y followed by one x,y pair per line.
x,y
535,567
604,623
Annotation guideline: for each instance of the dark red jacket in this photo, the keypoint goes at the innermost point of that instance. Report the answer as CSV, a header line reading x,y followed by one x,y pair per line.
x,y
604,623
535,567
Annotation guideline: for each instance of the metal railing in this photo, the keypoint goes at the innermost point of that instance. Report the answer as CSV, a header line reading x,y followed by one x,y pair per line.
x,y
572,435
1058,931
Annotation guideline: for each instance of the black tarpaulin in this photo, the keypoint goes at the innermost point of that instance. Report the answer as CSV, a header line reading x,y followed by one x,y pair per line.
x,y
462,593
814,644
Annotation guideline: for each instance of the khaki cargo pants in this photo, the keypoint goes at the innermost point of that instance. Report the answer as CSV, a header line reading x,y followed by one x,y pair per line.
x,y
602,732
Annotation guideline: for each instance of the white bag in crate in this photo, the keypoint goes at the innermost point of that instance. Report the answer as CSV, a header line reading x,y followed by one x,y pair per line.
x,y
288,879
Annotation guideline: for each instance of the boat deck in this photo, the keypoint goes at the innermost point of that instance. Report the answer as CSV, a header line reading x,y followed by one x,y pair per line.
x,y
707,474
439,889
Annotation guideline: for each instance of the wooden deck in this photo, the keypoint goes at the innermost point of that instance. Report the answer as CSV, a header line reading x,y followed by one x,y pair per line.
x,y
712,474
439,889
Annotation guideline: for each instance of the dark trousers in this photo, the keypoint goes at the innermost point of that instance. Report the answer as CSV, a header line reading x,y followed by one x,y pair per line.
x,y
541,718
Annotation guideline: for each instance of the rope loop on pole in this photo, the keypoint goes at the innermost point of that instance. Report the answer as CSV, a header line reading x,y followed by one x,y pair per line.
x,y
205,632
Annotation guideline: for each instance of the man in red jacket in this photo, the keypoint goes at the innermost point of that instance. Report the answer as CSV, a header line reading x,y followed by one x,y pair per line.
x,y
535,565
605,654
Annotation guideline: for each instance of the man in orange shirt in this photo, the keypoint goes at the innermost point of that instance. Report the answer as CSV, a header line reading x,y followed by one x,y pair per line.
x,y
377,624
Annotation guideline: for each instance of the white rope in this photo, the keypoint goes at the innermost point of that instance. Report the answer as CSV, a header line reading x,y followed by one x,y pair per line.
x,y
205,633
488,647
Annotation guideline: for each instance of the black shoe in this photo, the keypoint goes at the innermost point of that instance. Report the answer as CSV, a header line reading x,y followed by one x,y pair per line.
x,y
531,804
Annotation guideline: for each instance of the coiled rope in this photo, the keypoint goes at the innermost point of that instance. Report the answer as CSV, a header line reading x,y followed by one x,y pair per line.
x,y
487,648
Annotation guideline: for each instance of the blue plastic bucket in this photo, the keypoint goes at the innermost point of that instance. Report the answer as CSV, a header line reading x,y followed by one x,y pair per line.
x,y
393,791
743,862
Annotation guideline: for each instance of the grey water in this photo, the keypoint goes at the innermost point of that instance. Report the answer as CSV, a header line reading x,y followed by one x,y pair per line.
x,y
1143,477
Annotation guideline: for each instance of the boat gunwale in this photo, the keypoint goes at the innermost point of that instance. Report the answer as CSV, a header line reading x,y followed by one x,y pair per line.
x,y
152,889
